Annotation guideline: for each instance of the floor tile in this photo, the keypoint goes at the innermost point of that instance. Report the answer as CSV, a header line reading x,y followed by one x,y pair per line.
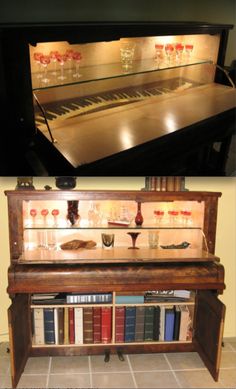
x,y
32,381
227,346
147,362
114,365
37,365
185,360
164,379
5,382
112,380
233,345
228,378
4,365
69,381
197,379
228,359
77,364
3,349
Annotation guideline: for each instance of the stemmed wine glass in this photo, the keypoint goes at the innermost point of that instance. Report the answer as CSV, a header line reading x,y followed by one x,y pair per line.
x,y
45,61
37,57
53,57
55,213
159,52
188,49
134,236
179,48
169,48
44,213
33,213
77,58
62,58
69,54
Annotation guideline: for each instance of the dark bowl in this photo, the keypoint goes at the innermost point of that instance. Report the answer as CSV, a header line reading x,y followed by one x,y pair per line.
x,y
65,182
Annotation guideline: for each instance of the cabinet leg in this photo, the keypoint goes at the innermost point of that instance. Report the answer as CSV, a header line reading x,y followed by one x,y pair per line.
x,y
120,355
107,356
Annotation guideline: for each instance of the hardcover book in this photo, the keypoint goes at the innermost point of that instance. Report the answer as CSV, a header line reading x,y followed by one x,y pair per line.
x,y
88,324
106,314
148,323
169,323
130,316
184,322
78,324
97,325
139,324
38,326
126,299
66,325
162,323
49,329
156,323
71,326
120,324
177,322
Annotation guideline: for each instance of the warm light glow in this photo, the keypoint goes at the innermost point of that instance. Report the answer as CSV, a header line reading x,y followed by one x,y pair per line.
x,y
126,138
170,122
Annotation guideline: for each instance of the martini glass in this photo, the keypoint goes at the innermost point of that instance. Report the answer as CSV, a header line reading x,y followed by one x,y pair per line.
x,y
45,61
77,58
134,236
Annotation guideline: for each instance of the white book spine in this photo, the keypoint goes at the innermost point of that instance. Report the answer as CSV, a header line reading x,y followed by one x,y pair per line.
x,y
162,323
56,326
38,326
78,312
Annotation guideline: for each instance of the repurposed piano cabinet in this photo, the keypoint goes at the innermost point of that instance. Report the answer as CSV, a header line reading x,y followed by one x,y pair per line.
x,y
39,265
84,102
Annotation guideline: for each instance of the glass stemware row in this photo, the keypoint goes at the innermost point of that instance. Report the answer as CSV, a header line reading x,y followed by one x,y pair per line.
x,y
172,51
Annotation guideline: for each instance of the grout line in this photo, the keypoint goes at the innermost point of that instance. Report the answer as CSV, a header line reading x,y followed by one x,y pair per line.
x,y
90,372
131,371
172,371
49,370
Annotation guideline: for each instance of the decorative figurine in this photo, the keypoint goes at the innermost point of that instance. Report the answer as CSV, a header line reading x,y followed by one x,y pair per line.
x,y
183,245
72,211
139,216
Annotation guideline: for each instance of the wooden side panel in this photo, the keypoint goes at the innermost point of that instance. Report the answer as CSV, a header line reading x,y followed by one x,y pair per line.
x,y
210,313
210,220
20,335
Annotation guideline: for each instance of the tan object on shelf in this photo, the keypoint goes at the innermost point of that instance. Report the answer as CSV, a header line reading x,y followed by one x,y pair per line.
x,y
76,244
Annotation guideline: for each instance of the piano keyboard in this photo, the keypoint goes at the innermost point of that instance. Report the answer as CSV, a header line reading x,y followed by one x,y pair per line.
x,y
70,108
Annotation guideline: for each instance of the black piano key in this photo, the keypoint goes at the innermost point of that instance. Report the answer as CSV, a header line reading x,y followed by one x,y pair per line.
x,y
48,116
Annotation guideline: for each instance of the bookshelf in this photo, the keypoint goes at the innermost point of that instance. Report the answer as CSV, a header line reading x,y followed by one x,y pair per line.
x,y
52,251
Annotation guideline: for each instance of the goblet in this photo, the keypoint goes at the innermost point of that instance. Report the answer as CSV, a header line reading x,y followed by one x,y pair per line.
x,y
45,61
77,58
53,56
69,54
159,52
44,213
179,48
134,236
62,58
37,60
188,49
55,213
169,48
127,55
33,213
108,240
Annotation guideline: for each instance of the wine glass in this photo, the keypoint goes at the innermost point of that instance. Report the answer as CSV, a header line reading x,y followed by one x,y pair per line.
x,y
53,57
62,58
179,48
188,50
159,52
33,213
44,213
69,54
77,58
37,57
169,48
134,236
55,213
45,61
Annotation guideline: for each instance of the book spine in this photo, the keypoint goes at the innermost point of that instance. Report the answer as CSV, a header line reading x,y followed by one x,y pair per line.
x,y
156,323
177,323
130,316
88,325
169,324
148,323
49,330
66,325
97,325
61,325
162,323
170,184
78,314
184,323
139,324
106,324
163,183
71,326
56,326
38,326
119,324
129,299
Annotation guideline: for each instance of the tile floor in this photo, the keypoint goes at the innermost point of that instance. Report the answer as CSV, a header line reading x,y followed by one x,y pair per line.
x,y
172,370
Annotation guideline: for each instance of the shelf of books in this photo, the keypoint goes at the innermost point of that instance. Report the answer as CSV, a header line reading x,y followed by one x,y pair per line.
x,y
151,317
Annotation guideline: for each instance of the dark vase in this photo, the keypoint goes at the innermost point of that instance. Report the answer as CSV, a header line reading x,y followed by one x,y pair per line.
x,y
72,211
139,216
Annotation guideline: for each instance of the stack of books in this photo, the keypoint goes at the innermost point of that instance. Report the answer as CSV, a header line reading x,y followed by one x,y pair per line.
x,y
164,183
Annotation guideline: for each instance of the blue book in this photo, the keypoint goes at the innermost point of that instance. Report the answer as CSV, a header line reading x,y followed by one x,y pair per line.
x,y
169,324
130,318
129,299
49,328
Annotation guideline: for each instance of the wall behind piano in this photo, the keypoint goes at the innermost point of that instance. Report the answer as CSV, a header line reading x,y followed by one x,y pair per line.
x,y
217,11
225,238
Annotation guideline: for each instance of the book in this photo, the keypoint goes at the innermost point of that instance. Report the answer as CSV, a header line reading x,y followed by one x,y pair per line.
x,y
49,329
56,326
66,325
156,323
139,324
184,322
129,299
92,298
120,324
88,324
169,323
97,325
78,325
38,320
148,323
48,299
106,315
177,322
130,316
60,325
162,323
71,326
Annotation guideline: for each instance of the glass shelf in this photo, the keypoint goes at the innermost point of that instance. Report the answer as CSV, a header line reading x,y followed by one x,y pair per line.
x,y
72,228
113,70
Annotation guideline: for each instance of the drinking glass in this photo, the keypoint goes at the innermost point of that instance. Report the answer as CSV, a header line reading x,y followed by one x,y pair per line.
x,y
62,58
37,60
127,55
153,239
159,52
77,58
188,50
70,54
33,213
55,213
44,213
169,48
134,236
108,240
45,61
53,56
179,48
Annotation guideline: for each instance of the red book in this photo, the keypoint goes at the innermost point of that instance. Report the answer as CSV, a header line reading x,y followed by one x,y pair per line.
x,y
120,324
106,324
71,325
97,325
